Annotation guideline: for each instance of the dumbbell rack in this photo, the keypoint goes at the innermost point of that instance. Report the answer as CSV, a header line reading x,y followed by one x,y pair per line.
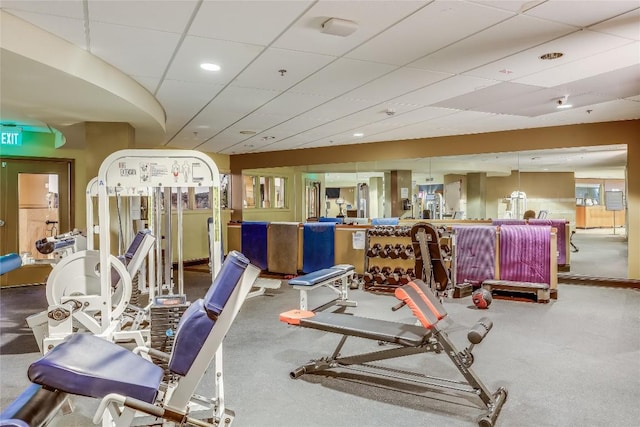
x,y
389,258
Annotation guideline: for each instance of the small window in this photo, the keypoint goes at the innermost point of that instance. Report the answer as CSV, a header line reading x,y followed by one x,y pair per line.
x,y
225,191
202,198
264,192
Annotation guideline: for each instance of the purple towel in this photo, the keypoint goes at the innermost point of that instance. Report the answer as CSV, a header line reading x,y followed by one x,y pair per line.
x,y
560,225
524,253
475,253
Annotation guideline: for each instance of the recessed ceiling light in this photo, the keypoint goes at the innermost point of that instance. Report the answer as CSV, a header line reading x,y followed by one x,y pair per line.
x,y
563,106
551,56
208,66
358,134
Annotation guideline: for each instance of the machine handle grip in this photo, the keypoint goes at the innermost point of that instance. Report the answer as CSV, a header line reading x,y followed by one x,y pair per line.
x,y
398,306
479,330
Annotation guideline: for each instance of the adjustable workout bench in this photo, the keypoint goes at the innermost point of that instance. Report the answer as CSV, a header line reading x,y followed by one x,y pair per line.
x,y
326,277
130,386
407,339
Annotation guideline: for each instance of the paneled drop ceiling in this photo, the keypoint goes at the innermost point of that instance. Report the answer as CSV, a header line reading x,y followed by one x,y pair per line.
x,y
412,69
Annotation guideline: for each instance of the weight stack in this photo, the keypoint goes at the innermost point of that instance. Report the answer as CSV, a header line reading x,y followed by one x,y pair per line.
x,y
165,316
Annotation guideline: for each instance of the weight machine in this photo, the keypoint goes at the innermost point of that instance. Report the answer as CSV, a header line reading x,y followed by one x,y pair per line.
x,y
90,290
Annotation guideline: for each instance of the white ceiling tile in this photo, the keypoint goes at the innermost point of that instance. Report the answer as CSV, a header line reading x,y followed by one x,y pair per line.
x,y
397,83
445,89
149,83
231,57
257,22
70,29
336,109
428,30
508,37
382,112
489,95
599,63
147,54
342,76
541,102
235,102
626,25
186,96
578,45
292,127
620,83
581,13
64,8
265,73
170,16
510,5
587,67
220,143
291,104
371,16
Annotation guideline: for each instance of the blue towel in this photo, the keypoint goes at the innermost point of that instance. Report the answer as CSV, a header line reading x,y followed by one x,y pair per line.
x,y
254,243
385,221
326,219
318,246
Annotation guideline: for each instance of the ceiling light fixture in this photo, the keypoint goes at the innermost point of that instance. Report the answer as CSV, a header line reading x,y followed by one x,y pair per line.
x,y
564,103
208,66
339,27
551,56
358,134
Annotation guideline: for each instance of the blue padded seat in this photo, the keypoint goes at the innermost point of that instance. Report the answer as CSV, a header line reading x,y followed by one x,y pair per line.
x,y
86,365
320,276
13,423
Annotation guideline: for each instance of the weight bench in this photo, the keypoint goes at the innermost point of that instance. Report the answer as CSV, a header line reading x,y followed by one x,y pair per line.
x,y
342,273
131,387
405,339
542,291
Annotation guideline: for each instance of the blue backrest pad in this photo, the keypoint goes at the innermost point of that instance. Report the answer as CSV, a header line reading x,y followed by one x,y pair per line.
x,y
225,282
192,332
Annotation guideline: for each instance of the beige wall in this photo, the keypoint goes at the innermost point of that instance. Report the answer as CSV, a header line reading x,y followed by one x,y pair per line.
x,y
591,134
551,191
633,207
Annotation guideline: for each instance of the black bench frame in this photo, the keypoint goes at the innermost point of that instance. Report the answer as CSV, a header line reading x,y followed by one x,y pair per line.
x,y
409,340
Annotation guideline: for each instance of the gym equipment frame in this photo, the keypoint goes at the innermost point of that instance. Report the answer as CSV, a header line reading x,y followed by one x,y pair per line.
x,y
407,339
131,387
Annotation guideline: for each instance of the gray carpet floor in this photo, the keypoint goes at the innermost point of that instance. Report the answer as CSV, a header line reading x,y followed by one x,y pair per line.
x,y
572,362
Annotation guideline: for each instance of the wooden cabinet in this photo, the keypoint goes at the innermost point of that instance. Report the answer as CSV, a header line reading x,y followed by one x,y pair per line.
x,y
598,217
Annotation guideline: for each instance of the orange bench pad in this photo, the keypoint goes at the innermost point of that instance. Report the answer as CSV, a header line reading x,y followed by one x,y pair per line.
x,y
293,317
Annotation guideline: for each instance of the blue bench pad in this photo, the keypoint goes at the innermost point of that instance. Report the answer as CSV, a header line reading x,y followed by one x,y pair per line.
x,y
320,276
86,365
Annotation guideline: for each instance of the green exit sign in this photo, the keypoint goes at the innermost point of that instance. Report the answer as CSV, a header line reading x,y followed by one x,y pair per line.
x,y
10,135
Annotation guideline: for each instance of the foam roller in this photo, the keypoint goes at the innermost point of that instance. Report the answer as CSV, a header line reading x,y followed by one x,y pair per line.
x,y
9,262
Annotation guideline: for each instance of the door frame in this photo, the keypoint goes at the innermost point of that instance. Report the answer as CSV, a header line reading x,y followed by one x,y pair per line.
x,y
10,167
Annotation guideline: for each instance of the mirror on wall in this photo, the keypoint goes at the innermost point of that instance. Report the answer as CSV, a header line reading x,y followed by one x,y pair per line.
x,y
554,184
